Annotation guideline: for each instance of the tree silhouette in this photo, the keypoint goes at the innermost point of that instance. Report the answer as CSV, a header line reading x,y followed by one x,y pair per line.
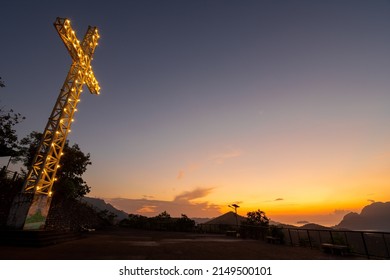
x,y
74,162
163,215
9,145
8,139
257,218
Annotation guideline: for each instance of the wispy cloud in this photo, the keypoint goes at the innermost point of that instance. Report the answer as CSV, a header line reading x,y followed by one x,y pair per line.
x,y
371,200
187,170
180,175
219,158
222,157
340,212
147,209
237,202
276,199
194,194
181,204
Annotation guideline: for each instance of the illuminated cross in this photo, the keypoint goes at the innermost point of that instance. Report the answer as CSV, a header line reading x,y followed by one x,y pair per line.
x,y
42,173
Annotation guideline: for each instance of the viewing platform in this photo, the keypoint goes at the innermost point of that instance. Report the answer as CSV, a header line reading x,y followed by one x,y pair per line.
x,y
131,244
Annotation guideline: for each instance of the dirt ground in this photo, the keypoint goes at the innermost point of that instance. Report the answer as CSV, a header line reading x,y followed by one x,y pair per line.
x,y
129,244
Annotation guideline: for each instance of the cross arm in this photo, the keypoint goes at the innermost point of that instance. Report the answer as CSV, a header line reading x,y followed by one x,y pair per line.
x,y
80,52
69,38
91,82
89,43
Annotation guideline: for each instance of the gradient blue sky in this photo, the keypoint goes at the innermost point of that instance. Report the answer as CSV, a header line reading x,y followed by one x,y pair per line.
x,y
278,105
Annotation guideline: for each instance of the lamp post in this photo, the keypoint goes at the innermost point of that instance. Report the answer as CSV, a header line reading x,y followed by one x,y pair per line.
x,y
235,206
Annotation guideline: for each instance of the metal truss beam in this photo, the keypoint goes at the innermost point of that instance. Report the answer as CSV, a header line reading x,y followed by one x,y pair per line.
x,y
42,173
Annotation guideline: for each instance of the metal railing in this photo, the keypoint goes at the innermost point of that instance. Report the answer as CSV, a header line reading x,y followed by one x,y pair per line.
x,y
369,244
12,175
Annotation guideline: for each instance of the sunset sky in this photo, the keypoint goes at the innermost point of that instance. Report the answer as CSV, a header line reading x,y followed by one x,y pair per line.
x,y
277,105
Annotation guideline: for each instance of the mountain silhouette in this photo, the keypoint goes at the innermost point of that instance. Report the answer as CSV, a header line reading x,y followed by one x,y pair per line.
x,y
228,218
313,226
373,217
101,205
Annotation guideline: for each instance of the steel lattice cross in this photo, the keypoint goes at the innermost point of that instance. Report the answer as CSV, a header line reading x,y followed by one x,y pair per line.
x,y
42,173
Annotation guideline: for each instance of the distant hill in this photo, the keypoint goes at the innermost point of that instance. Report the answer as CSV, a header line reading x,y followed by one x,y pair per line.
x,y
200,220
375,216
101,205
228,218
314,226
